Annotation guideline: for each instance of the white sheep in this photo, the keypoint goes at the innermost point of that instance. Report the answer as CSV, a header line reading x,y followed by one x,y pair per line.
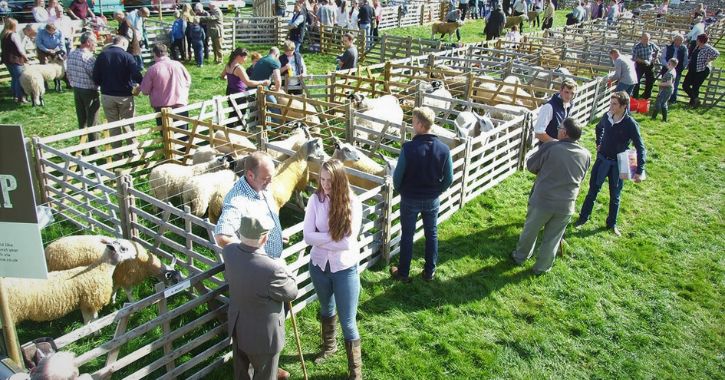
x,y
352,157
167,180
83,250
299,135
438,89
471,124
385,108
293,173
204,154
544,79
86,288
33,79
198,190
232,143
507,111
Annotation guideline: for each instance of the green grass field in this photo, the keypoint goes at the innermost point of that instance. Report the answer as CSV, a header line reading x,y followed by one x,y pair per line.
x,y
650,304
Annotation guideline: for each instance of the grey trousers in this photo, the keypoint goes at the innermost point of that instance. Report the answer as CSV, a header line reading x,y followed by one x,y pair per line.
x,y
87,105
119,108
554,225
264,365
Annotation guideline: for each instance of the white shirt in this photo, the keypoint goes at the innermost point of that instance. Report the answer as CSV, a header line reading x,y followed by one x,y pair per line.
x,y
352,24
343,18
546,112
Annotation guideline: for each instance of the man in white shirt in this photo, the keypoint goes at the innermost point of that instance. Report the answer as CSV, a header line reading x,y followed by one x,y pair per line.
x,y
555,111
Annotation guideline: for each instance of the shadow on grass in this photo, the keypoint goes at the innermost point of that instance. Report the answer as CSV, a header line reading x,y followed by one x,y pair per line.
x,y
493,245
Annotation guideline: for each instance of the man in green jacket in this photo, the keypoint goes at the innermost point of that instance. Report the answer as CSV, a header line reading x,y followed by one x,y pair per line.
x,y
215,24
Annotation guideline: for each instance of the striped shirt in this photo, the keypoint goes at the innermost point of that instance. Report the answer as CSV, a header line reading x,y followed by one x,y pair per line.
x,y
80,69
242,199
647,53
703,56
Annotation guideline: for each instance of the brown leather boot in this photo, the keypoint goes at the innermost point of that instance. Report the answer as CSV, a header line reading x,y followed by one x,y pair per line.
x,y
329,339
282,374
354,359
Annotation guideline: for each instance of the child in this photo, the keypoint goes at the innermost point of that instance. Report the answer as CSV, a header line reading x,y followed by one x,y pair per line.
x,y
666,88
195,34
514,35
177,37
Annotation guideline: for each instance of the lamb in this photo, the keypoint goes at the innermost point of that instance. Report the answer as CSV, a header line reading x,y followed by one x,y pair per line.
x,y
444,28
470,124
386,108
351,157
293,173
199,190
167,180
33,79
88,288
299,135
77,251
230,143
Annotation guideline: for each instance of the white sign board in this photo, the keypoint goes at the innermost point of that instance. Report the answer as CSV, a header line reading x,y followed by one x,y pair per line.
x,y
21,247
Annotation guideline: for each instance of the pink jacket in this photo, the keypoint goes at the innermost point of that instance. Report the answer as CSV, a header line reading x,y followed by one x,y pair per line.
x,y
340,254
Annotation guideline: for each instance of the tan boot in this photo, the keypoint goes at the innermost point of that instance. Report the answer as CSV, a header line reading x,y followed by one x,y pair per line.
x,y
329,339
354,359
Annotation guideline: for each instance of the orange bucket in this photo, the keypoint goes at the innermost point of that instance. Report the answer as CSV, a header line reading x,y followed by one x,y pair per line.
x,y
643,106
633,104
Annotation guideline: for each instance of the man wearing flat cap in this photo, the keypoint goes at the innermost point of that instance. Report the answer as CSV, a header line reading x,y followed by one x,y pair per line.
x,y
258,287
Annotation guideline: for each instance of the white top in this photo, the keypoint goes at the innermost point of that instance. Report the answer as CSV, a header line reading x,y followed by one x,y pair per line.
x,y
343,18
352,24
546,112
40,14
513,36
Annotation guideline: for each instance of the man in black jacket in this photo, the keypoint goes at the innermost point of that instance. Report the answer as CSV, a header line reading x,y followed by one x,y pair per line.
x,y
496,21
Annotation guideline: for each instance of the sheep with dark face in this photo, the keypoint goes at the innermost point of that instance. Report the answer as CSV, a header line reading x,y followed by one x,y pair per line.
x,y
471,124
352,157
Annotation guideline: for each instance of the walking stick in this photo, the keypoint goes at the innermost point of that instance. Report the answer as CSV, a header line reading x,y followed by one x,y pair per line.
x,y
297,339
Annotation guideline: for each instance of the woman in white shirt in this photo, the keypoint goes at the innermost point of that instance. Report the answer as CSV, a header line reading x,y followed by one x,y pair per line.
x,y
334,260
40,14
352,22
343,18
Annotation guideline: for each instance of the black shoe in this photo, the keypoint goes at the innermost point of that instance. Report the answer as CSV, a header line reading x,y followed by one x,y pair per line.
x,y
615,231
513,258
580,223
395,274
426,276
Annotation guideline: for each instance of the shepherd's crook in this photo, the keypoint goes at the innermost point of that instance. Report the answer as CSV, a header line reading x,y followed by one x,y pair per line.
x,y
297,339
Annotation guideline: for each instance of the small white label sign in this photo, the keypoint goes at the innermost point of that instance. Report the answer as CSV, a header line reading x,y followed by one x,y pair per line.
x,y
177,288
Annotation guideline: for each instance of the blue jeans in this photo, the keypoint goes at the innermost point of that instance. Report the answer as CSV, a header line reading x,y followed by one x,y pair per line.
x,y
368,35
673,97
342,290
198,52
15,71
409,210
603,168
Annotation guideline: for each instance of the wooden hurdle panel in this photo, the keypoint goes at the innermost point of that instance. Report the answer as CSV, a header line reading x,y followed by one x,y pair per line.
x,y
316,113
257,31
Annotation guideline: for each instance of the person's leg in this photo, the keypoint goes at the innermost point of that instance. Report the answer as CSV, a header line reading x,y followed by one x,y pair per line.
x,y
458,34
14,71
207,37
673,97
639,69
324,288
241,363
199,53
597,177
553,232
346,285
265,366
81,107
615,190
408,215
429,213
535,219
217,49
127,110
649,81
697,83
687,84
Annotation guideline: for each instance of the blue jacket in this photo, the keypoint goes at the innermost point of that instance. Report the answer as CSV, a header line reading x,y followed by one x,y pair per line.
x,y
613,138
424,169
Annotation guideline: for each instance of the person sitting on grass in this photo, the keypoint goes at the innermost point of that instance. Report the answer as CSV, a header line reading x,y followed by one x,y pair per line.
x,y
514,35
666,87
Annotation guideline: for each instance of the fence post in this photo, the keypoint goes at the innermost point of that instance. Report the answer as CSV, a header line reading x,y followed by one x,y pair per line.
x,y
349,128
383,42
469,85
262,110
42,181
466,168
125,202
597,93
386,77
526,139
166,132
387,216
